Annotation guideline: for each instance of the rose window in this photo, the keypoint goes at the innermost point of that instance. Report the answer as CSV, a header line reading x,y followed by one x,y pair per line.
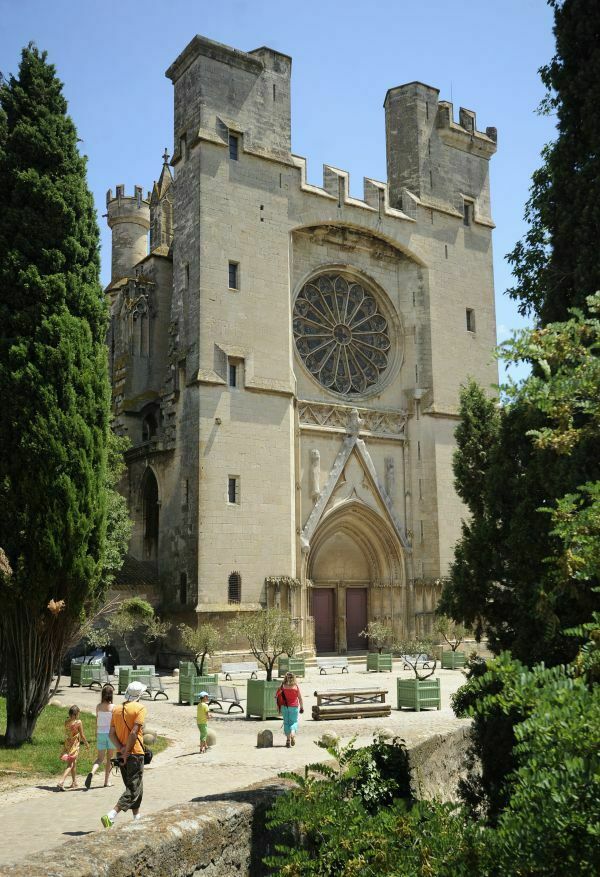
x,y
340,334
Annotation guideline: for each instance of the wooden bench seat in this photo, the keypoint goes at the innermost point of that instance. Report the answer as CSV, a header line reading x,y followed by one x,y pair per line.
x,y
230,669
325,664
350,703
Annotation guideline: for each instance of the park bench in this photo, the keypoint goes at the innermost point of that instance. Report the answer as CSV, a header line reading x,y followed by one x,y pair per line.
x,y
154,686
410,661
350,703
99,676
325,664
250,667
226,694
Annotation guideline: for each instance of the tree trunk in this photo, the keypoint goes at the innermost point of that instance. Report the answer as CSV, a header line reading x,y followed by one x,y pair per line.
x,y
32,644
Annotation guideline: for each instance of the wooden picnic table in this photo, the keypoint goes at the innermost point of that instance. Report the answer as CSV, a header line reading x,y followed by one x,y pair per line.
x,y
350,703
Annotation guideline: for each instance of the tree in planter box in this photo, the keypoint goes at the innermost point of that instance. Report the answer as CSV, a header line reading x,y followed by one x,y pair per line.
x,y
269,633
378,634
136,618
451,631
411,650
202,641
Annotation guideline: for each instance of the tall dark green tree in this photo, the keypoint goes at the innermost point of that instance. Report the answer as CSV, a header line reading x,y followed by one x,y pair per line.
x,y
502,571
54,386
557,263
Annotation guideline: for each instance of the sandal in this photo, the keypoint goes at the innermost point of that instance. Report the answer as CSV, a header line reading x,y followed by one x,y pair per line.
x,y
60,788
293,741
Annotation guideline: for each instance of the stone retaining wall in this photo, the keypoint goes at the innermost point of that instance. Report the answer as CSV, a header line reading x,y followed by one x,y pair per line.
x,y
223,835
438,765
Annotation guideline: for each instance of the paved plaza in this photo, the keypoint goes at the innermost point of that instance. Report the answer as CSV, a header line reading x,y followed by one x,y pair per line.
x,y
37,817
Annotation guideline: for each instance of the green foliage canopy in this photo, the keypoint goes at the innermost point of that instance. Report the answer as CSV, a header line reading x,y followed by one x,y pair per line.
x,y
269,634
200,641
557,264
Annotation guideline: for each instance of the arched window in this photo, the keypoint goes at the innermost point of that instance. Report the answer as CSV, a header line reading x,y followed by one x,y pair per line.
x,y
150,507
234,588
150,423
183,588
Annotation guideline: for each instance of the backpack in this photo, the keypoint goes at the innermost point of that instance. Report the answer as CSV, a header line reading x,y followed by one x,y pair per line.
x,y
280,698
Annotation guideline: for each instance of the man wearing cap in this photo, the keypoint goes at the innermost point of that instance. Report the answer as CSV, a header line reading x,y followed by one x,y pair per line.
x,y
126,733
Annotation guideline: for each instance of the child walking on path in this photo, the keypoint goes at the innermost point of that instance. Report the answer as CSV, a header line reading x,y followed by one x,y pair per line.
x,y
74,737
203,717
104,746
290,703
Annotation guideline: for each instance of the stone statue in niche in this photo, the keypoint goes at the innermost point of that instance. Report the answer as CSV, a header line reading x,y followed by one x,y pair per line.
x,y
390,478
315,474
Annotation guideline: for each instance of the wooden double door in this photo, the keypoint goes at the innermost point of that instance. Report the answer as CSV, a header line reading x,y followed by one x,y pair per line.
x,y
325,616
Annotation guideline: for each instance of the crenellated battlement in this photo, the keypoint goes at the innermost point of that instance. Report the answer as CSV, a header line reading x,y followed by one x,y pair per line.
x,y
336,188
464,134
137,197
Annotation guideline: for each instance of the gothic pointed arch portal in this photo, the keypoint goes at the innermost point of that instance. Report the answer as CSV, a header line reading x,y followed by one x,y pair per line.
x,y
357,568
151,514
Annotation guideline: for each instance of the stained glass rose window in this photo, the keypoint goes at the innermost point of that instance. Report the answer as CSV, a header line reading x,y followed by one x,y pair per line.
x,y
340,333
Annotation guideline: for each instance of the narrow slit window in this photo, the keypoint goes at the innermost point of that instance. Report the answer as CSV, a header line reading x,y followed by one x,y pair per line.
x,y
234,588
470,316
234,275
233,490
183,588
467,212
233,374
418,450
187,275
234,147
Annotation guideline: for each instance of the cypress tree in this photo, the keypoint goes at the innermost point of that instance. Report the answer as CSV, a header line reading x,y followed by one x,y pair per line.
x,y
54,387
557,264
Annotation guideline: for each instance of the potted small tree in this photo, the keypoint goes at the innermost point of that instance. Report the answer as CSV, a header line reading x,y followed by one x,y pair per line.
x,y
379,635
453,634
201,641
422,690
269,634
291,662
135,623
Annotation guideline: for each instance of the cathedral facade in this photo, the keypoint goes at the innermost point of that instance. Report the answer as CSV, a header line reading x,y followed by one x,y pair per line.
x,y
286,358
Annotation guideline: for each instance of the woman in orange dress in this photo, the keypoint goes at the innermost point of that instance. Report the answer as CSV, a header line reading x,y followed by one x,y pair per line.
x,y
74,737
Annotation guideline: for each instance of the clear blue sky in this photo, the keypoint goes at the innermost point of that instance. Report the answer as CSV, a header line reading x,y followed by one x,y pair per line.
x,y
485,54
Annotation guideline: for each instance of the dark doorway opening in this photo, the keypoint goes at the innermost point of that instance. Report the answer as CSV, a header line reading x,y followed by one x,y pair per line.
x,y
323,602
356,617
151,514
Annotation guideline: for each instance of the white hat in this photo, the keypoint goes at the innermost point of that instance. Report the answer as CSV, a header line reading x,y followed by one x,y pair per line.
x,y
134,690
203,694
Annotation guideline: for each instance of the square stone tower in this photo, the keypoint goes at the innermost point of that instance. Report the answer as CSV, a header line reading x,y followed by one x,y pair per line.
x,y
293,394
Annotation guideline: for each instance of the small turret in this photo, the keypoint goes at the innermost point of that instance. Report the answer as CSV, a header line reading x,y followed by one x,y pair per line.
x,y
129,219
161,208
432,156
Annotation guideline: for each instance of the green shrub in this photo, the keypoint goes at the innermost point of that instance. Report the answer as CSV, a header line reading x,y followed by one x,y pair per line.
x,y
551,824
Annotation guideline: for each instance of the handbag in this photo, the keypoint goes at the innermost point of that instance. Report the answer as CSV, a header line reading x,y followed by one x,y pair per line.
x,y
148,753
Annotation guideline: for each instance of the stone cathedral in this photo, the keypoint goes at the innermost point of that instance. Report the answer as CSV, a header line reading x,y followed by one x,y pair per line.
x,y
286,358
